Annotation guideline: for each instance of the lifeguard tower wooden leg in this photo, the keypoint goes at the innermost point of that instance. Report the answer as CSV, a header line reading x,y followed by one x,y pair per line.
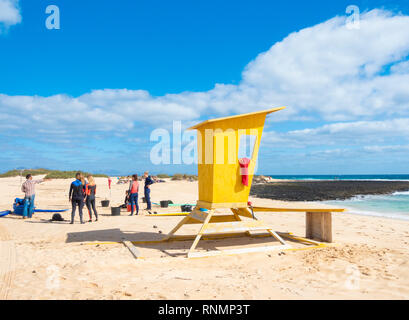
x,y
178,226
199,235
319,226
237,218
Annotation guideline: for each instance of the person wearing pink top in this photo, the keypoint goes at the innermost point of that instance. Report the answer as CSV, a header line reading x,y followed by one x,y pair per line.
x,y
133,194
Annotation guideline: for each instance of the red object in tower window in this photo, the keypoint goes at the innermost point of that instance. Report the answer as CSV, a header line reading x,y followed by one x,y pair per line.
x,y
244,170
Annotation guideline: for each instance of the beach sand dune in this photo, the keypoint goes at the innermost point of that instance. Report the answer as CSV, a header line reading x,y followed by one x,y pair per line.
x,y
54,260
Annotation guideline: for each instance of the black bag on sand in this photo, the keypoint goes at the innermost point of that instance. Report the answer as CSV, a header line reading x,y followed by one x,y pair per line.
x,y
57,217
164,203
186,208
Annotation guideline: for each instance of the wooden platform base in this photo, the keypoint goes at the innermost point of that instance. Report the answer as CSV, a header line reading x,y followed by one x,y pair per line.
x,y
318,222
213,225
319,226
236,251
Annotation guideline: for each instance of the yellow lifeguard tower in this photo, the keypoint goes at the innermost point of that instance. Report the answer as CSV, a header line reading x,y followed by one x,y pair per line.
x,y
227,157
223,146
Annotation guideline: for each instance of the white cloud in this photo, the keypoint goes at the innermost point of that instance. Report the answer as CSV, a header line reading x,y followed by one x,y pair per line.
x,y
393,148
325,72
9,12
335,71
101,110
342,133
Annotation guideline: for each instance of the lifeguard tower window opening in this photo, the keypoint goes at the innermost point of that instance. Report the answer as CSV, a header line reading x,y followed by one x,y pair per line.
x,y
246,146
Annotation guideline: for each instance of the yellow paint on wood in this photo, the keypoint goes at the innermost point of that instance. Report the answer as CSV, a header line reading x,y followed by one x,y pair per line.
x,y
242,212
198,215
244,115
210,205
276,209
237,251
237,226
220,180
175,214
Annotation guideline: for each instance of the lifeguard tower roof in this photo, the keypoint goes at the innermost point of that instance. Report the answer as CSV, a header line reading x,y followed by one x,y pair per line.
x,y
268,111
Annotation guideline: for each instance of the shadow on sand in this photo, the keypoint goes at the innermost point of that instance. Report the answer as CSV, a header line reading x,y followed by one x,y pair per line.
x,y
170,248
116,235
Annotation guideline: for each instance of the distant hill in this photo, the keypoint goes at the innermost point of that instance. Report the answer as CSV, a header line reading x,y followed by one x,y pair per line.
x,y
16,173
50,174
55,174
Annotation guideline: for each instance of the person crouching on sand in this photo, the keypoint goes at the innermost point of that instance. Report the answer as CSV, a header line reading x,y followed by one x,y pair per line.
x,y
90,192
126,201
77,196
133,191
28,187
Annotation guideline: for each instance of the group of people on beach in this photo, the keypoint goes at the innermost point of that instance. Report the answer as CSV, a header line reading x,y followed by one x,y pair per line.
x,y
133,191
83,192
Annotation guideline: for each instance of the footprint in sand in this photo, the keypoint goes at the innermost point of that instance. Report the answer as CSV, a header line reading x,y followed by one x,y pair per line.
x,y
7,263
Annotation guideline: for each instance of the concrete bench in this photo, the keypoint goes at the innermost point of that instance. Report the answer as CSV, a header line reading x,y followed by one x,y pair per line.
x,y
318,221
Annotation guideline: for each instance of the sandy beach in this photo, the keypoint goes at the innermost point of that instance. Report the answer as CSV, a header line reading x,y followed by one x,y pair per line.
x,y
40,259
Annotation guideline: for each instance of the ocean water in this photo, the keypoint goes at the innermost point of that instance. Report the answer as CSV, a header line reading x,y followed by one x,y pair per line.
x,y
394,205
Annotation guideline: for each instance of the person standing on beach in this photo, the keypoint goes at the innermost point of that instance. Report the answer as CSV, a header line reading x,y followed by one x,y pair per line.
x,y
90,191
147,190
133,194
28,187
77,196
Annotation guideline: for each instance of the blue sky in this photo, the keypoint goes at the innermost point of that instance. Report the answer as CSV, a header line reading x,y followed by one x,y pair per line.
x,y
89,95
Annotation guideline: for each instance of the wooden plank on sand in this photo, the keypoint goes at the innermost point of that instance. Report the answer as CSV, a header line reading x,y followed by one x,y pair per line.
x,y
135,252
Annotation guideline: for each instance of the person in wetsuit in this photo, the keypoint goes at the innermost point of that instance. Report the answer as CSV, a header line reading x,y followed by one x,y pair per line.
x,y
147,190
77,196
90,191
133,194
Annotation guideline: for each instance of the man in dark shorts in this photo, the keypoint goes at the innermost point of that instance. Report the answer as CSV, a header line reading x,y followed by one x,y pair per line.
x,y
77,196
148,182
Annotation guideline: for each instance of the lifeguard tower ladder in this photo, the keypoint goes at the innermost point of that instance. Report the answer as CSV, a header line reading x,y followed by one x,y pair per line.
x,y
227,152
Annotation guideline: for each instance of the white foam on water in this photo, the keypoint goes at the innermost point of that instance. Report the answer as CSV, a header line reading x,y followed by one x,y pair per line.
x,y
389,215
394,206
401,193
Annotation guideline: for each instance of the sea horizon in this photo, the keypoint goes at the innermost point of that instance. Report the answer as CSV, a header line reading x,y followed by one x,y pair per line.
x,y
357,177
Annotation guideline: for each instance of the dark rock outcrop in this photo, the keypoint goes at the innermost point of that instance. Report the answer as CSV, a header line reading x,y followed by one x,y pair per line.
x,y
325,190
